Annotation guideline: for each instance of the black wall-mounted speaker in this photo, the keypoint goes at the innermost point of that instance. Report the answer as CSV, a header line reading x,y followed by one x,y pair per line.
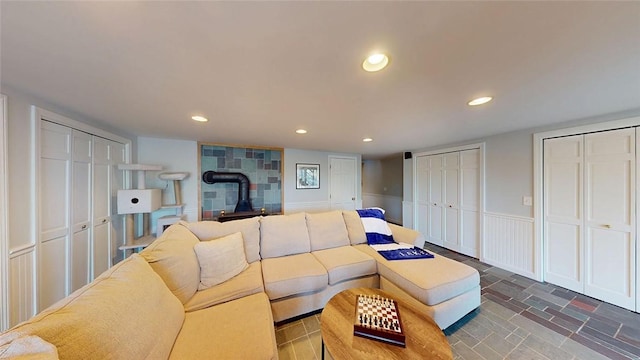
x,y
407,154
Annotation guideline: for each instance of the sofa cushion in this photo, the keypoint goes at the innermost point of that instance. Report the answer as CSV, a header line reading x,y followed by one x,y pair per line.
x,y
354,227
291,275
246,283
282,235
173,258
431,281
238,329
126,313
327,230
250,229
345,263
220,259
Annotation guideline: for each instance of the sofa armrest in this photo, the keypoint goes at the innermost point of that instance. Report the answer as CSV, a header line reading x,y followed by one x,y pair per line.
x,y
405,235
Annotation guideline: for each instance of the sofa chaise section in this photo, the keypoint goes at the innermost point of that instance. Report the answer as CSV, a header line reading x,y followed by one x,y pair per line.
x,y
445,289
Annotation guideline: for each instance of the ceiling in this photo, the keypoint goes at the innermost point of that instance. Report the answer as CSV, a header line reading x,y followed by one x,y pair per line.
x,y
261,70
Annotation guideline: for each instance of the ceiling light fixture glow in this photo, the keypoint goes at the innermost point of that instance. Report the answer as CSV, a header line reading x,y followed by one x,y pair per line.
x,y
375,62
367,140
301,131
480,101
199,118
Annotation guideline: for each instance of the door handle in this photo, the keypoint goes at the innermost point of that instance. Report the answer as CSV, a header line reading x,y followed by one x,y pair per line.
x,y
104,221
84,227
353,199
450,206
606,226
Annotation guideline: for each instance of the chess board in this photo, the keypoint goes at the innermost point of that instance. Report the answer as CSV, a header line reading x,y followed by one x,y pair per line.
x,y
378,318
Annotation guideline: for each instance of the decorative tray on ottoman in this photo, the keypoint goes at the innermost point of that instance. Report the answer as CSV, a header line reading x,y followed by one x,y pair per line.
x,y
378,318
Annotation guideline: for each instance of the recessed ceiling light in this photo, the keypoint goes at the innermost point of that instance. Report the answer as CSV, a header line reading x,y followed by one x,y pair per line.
x,y
375,62
480,101
367,140
301,131
199,118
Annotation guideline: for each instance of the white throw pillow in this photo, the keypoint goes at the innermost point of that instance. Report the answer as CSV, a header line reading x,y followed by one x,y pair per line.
x,y
220,259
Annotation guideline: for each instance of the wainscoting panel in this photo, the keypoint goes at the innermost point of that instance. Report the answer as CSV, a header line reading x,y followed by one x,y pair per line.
x,y
508,243
310,207
391,204
22,285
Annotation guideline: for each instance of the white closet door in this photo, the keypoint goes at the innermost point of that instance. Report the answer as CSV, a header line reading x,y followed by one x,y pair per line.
x,y
117,155
81,211
469,202
54,232
435,232
101,247
563,183
422,195
451,162
610,251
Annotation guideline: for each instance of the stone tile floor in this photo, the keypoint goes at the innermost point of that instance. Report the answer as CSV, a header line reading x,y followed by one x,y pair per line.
x,y
519,319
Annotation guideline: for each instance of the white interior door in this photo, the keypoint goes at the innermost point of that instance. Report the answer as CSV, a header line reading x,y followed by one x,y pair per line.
x,y
54,232
81,210
563,244
451,166
422,194
101,248
342,183
435,231
610,251
470,202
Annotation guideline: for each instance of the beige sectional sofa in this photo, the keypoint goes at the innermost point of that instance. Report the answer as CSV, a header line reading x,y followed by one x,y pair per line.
x,y
153,304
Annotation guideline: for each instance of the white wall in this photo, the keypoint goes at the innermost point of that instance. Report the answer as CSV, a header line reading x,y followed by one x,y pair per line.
x,y
181,155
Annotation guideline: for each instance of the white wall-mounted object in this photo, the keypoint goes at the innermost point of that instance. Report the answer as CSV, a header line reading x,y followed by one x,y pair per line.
x,y
139,201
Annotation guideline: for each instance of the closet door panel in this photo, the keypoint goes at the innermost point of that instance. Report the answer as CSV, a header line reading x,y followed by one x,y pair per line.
x,y
54,195
563,239
101,206
470,237
54,213
470,202
610,257
610,275
52,274
422,195
117,155
451,199
101,249
436,212
80,268
80,265
564,255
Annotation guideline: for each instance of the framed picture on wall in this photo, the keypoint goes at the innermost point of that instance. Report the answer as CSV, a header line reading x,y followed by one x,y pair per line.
x,y
307,176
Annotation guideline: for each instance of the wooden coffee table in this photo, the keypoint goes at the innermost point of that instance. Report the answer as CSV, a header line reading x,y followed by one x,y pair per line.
x,y
424,339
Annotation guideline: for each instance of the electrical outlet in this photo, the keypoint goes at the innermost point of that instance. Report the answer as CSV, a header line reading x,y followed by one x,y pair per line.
x,y
527,201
